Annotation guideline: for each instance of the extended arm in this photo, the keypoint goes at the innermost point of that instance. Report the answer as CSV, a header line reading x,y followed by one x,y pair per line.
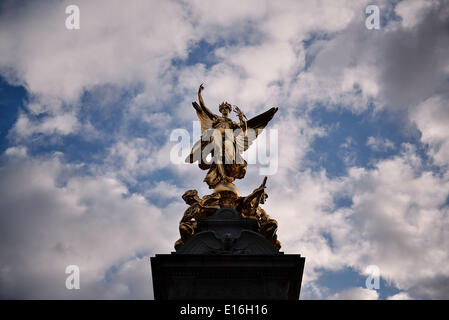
x,y
202,105
242,118
200,98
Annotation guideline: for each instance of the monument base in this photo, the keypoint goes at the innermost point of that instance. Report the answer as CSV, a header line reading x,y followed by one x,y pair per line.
x,y
227,258
238,277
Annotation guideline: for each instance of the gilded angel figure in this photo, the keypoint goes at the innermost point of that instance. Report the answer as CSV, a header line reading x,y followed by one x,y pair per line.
x,y
223,141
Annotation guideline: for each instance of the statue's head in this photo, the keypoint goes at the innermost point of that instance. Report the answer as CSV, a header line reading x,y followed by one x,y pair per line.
x,y
190,197
225,108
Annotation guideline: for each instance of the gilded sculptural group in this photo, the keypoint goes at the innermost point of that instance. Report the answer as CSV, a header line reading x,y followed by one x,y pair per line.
x,y
224,141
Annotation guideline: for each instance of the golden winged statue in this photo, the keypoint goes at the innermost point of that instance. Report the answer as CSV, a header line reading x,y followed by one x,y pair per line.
x,y
223,141
219,151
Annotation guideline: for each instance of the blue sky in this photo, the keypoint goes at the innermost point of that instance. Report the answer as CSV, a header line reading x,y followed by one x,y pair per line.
x,y
86,117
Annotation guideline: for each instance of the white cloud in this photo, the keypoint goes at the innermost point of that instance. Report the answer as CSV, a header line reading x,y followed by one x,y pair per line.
x,y
57,65
362,78
432,118
126,48
61,124
355,294
399,212
16,152
412,11
379,144
107,49
89,221
400,296
165,190
357,67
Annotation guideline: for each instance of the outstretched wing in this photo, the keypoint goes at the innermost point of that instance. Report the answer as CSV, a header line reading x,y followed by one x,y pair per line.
x,y
260,121
205,115
254,127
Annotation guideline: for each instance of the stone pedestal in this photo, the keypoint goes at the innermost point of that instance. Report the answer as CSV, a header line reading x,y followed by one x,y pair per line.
x,y
227,259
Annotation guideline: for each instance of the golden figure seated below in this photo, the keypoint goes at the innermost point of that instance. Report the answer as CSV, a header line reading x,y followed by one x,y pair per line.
x,y
248,207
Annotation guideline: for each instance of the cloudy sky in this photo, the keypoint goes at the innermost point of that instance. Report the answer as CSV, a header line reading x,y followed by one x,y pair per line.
x,y
86,116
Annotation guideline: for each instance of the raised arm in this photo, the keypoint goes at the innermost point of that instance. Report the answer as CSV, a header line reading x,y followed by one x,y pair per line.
x,y
200,98
203,105
242,118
